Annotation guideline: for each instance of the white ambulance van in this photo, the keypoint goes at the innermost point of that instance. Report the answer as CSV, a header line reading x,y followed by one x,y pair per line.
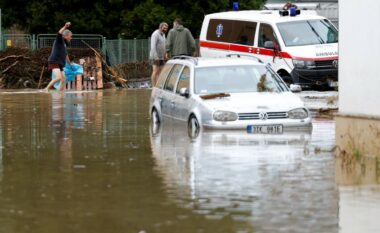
x,y
302,49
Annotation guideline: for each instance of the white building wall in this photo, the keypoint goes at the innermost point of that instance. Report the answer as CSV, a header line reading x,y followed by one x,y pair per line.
x,y
359,57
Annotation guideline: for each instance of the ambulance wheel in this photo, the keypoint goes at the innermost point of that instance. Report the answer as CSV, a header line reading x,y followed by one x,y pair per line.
x,y
287,79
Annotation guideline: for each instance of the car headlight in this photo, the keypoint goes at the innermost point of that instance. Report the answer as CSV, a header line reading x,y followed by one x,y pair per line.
x,y
225,116
301,64
299,113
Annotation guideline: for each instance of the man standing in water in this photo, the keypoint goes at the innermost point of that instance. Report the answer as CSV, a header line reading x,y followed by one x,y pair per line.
x,y
58,57
157,51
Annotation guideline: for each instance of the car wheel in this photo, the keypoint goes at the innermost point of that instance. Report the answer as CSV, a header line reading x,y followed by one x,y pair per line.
x,y
155,117
193,127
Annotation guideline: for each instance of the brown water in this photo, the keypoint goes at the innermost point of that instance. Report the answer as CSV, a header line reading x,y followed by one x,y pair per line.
x,y
90,162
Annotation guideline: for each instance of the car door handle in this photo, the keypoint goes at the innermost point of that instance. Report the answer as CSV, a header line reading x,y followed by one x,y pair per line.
x,y
258,51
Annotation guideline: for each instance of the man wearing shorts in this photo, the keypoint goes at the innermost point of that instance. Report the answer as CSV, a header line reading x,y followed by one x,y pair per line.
x,y
58,57
157,51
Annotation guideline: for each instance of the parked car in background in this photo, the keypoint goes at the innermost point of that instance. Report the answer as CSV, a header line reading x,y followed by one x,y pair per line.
x,y
227,93
301,46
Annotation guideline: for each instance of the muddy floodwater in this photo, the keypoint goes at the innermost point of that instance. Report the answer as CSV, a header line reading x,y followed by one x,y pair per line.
x,y
91,162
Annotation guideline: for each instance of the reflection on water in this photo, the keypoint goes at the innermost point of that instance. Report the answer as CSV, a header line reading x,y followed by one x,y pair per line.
x,y
359,202
89,162
267,181
359,209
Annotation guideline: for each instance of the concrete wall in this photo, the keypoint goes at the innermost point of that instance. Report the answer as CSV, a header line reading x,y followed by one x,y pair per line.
x,y
358,123
359,63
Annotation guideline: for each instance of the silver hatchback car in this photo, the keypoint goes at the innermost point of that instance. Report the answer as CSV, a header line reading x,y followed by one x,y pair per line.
x,y
227,93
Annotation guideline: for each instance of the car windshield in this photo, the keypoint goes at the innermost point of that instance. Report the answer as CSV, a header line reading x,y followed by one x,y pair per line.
x,y
309,32
236,79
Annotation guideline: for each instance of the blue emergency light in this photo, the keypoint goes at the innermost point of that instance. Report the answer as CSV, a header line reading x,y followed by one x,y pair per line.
x,y
235,6
293,11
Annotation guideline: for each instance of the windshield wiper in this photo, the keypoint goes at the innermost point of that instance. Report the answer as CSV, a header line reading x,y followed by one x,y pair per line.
x,y
316,33
214,96
330,28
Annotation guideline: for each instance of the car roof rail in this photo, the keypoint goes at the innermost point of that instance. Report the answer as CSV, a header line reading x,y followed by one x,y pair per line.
x,y
185,57
238,55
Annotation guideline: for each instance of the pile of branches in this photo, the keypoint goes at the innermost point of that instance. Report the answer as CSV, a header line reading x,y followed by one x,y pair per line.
x,y
23,68
135,71
20,68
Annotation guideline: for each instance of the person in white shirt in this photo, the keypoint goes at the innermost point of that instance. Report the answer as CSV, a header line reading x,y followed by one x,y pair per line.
x,y
157,51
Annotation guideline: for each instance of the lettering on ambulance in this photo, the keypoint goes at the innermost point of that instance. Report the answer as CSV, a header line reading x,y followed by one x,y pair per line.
x,y
326,54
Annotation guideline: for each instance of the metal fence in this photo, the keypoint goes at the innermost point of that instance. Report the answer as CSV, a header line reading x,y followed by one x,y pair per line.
x,y
126,51
118,51
95,41
16,40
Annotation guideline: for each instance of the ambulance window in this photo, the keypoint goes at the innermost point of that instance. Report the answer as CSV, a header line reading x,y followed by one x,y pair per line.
x,y
243,32
265,34
219,30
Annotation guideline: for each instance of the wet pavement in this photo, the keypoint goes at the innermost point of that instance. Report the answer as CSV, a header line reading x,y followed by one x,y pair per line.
x,y
91,162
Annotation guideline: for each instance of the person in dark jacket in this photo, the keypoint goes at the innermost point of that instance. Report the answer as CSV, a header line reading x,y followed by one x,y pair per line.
x,y
179,41
58,57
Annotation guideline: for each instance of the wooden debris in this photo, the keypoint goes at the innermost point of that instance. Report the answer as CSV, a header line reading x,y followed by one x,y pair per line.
x,y
99,75
12,57
28,68
41,75
111,71
10,67
214,96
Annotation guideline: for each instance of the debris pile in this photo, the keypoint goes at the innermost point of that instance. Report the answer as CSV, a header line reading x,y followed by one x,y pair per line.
x,y
20,68
135,71
23,68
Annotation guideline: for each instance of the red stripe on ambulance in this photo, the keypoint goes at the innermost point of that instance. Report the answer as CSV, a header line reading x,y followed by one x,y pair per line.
x,y
254,51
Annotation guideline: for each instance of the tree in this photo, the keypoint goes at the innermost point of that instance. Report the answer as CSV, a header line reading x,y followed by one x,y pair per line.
x,y
111,18
141,21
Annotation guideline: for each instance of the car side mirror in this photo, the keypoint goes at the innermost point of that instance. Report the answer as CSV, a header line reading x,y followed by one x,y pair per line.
x,y
295,88
184,92
269,44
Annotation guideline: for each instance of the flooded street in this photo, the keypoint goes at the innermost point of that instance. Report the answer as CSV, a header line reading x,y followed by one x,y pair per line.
x,y
91,162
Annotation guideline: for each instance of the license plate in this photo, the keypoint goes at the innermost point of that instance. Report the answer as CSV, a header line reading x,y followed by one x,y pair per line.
x,y
265,129
333,83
